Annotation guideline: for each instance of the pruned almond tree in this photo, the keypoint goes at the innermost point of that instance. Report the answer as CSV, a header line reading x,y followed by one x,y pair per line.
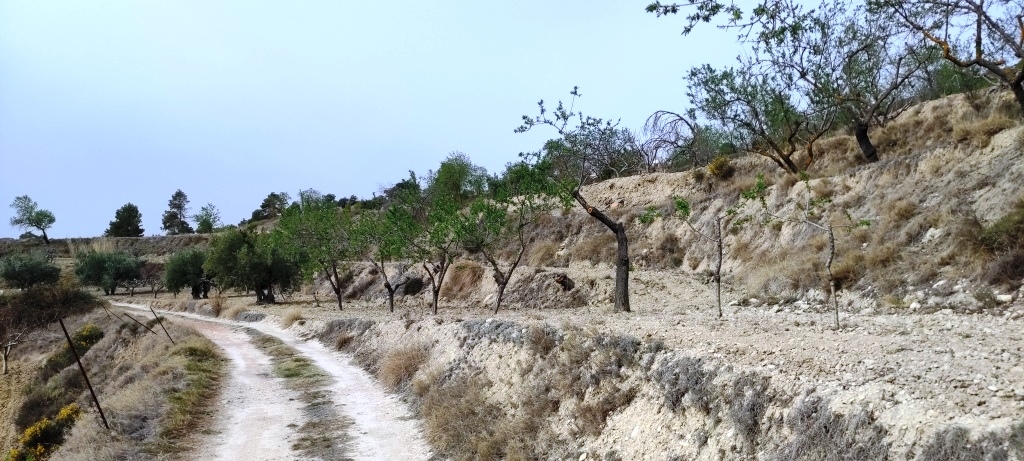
x,y
578,156
682,208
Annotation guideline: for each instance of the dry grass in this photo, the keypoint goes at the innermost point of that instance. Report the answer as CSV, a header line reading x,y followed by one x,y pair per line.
x,y
979,134
396,368
232,312
291,316
596,249
130,367
463,280
542,254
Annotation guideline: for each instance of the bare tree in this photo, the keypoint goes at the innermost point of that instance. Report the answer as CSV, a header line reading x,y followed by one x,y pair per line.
x,y
970,33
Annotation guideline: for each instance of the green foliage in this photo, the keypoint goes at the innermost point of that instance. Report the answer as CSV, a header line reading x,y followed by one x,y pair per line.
x,y
107,270
83,338
721,167
273,205
27,215
649,215
246,259
184,269
457,179
127,222
28,269
1007,233
208,219
319,236
682,207
175,219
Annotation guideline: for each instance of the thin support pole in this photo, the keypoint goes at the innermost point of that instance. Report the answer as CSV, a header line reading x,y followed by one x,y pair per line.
x,y
140,323
161,325
71,345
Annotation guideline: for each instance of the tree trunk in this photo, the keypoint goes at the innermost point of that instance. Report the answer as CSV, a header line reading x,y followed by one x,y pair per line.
x,y
46,240
1016,87
7,351
866,147
622,270
718,265
501,292
391,296
622,253
336,284
828,269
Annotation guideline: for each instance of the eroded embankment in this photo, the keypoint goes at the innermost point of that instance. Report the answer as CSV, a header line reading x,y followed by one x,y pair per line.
x,y
492,389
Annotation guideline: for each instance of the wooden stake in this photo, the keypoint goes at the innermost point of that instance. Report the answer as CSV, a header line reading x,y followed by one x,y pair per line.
x,y
161,325
71,345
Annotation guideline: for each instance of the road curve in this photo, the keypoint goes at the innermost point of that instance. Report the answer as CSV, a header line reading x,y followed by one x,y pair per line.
x,y
383,428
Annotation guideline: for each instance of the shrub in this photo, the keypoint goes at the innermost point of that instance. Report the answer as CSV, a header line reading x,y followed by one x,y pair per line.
x,y
699,175
42,438
721,167
649,215
291,316
28,269
397,368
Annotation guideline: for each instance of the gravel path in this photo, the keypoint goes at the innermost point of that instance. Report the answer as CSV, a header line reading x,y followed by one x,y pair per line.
x,y
257,418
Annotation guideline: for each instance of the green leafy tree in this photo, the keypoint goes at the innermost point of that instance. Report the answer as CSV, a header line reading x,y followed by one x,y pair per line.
x,y
319,235
379,237
27,215
457,178
577,149
175,219
185,269
760,102
127,222
500,221
843,56
26,270
272,206
246,259
429,223
207,219
107,270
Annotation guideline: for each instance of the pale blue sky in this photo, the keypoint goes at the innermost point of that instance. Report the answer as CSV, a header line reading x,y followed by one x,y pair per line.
x,y
108,102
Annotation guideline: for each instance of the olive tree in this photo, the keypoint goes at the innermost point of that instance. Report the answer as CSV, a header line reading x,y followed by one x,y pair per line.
x,y
247,259
28,215
107,270
584,142
26,270
185,269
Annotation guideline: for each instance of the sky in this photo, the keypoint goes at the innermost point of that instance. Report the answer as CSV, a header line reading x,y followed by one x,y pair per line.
x,y
103,103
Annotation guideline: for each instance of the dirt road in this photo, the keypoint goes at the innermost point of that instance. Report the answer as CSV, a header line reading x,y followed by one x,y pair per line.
x,y
258,419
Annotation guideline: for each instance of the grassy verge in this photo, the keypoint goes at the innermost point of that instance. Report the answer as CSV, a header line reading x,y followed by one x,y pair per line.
x,y
323,434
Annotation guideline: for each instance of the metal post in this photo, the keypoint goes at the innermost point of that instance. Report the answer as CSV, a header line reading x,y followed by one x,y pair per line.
x,y
71,345
161,325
